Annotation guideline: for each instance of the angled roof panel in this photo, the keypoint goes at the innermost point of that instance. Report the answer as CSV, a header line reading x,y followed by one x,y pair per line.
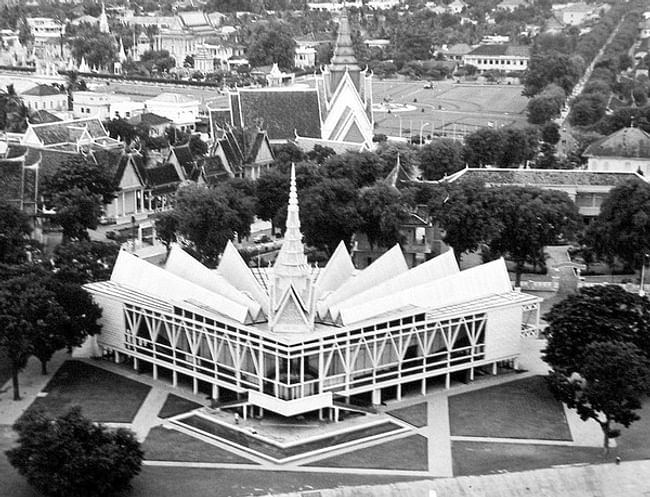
x,y
338,269
187,267
233,268
480,281
136,273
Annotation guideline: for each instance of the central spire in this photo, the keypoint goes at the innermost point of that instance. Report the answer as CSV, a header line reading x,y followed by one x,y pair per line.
x,y
292,261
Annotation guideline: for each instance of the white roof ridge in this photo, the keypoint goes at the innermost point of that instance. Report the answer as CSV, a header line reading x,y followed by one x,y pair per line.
x,y
187,267
150,279
233,268
390,264
479,281
337,270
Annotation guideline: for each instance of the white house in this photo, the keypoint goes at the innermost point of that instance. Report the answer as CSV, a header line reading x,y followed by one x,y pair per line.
x,y
104,105
499,57
182,110
626,150
45,97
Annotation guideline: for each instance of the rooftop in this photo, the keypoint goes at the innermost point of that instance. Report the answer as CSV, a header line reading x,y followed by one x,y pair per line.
x,y
626,142
42,91
501,50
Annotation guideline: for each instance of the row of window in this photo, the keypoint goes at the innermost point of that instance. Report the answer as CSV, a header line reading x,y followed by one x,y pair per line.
x,y
502,62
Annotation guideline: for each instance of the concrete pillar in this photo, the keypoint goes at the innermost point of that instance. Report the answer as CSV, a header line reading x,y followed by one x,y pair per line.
x,y
245,412
376,396
471,373
320,414
261,412
336,414
399,392
155,371
215,391
447,381
195,386
494,368
174,379
424,386
117,357
331,413
135,363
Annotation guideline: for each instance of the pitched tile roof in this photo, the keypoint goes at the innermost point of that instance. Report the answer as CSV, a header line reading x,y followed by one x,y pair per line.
x,y
501,50
544,177
281,112
68,131
219,118
43,117
42,91
163,175
184,156
626,142
213,170
149,119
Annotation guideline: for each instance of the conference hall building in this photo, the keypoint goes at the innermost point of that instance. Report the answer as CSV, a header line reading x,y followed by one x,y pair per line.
x,y
294,338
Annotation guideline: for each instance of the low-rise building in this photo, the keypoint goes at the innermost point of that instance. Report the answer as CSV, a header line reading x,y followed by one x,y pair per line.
x,y
104,105
499,57
625,150
72,135
181,110
45,97
48,36
153,123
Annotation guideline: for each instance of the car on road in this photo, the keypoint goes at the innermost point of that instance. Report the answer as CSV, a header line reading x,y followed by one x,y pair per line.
x,y
262,239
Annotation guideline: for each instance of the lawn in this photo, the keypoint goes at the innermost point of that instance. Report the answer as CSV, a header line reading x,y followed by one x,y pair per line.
x,y
170,445
253,443
478,458
103,396
415,415
175,405
518,409
409,454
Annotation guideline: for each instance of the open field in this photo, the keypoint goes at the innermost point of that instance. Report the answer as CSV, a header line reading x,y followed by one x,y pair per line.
x,y
104,397
518,409
448,107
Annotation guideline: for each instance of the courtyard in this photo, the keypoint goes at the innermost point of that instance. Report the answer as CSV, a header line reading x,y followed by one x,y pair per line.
x,y
495,424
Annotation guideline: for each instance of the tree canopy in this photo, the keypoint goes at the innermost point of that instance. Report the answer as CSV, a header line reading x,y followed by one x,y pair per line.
x,y
77,191
382,212
14,234
71,456
440,157
622,229
272,43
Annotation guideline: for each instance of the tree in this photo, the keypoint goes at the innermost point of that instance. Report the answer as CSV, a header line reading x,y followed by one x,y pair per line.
x,y
529,219
272,194
382,212
597,314
483,147
440,157
84,261
166,228
77,191
28,312
209,217
329,213
158,60
551,133
95,47
320,153
518,145
622,229
361,168
121,129
71,456
588,109
462,209
13,111
271,43
14,234
608,388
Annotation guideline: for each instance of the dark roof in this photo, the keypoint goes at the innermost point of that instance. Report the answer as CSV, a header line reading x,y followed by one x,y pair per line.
x,y
43,117
281,112
42,91
219,118
162,175
213,170
626,142
545,177
235,110
233,153
496,50
149,119
68,131
184,157
11,178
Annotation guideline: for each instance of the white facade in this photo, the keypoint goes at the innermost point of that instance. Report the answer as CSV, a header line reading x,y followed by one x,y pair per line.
x,y
304,57
104,105
54,101
181,110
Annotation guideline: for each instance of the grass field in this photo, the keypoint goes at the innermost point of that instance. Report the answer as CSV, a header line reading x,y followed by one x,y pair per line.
x,y
518,409
170,445
408,454
103,396
415,415
175,405
448,107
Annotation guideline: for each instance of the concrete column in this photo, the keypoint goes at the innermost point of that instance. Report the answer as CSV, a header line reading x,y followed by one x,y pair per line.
x,y
376,396
261,412
494,368
399,392
135,363
336,414
155,371
245,412
195,386
174,379
424,386
320,414
215,391
447,381
117,357
471,373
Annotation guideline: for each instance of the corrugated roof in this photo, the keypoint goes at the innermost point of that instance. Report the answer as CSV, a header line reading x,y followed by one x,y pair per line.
x,y
544,177
42,91
68,131
149,119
